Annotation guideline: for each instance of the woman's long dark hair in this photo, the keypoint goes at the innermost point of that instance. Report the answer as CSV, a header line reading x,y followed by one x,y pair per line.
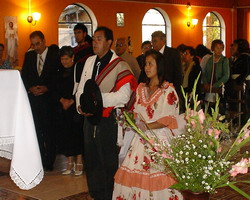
x,y
161,65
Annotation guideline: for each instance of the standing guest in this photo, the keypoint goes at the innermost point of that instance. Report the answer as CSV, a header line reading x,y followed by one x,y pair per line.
x,y
71,122
172,59
83,49
241,72
216,73
157,103
121,50
4,63
241,63
116,83
181,49
84,43
203,54
146,45
191,71
39,70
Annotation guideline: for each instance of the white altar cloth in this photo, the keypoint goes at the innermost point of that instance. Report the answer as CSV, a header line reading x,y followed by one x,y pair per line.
x,y
18,140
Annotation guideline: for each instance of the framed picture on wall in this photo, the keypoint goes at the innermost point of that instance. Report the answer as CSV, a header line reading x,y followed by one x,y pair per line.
x,y
120,19
11,39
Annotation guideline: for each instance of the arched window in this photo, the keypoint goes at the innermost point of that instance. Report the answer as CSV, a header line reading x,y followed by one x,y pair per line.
x,y
156,20
70,16
212,29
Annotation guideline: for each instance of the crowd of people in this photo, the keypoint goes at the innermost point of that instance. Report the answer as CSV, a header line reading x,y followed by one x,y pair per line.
x,y
84,128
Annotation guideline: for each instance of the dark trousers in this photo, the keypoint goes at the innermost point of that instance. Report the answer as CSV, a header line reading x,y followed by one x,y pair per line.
x,y
101,157
43,118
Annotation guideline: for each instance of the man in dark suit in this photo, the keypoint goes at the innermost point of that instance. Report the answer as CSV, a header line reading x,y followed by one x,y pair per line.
x,y
172,59
39,69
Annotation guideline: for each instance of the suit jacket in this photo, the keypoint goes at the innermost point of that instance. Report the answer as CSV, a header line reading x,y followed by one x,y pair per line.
x,y
173,68
51,65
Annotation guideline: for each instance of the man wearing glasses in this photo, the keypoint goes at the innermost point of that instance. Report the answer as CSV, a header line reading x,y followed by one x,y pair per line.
x,y
39,69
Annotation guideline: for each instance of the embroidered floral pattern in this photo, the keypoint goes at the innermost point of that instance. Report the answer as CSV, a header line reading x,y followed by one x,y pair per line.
x,y
171,98
150,112
119,198
136,159
175,197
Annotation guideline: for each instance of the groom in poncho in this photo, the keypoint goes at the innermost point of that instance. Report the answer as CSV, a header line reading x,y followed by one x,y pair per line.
x,y
117,84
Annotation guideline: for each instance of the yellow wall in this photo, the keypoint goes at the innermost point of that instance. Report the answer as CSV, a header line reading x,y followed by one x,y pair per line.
x,y
105,12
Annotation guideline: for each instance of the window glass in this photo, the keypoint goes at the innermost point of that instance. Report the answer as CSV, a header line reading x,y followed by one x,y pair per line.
x,y
70,16
152,21
211,29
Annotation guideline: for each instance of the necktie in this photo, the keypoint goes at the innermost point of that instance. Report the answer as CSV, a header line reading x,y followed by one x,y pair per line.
x,y
40,65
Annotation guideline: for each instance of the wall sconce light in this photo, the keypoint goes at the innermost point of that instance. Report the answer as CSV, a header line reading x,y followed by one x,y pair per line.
x,y
34,18
193,22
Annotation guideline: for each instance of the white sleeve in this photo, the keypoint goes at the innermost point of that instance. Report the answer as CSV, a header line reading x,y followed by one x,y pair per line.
x,y
118,98
79,91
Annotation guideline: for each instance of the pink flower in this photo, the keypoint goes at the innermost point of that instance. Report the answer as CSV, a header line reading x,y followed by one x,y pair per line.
x,y
217,133
146,160
219,149
214,132
193,123
201,116
247,133
240,168
164,155
210,131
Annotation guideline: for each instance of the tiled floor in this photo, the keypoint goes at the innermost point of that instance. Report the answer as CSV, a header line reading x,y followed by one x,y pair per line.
x,y
58,187
54,186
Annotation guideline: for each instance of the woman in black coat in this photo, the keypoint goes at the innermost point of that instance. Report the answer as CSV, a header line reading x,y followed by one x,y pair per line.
x,y
70,123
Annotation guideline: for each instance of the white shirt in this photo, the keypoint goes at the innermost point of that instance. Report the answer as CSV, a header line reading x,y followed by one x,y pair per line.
x,y
162,49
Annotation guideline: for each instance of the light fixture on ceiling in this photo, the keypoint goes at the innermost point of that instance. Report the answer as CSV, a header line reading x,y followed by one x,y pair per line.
x,y
191,23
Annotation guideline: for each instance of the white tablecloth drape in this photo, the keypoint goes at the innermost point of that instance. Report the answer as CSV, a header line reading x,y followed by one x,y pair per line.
x,y
18,140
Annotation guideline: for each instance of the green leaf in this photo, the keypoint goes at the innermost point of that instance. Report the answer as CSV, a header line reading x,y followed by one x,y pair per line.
x,y
238,190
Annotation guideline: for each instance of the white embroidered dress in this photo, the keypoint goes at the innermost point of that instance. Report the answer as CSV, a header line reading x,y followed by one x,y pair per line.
x,y
135,180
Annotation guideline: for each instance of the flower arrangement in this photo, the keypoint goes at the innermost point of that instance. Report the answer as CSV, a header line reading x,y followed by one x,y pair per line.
x,y
198,160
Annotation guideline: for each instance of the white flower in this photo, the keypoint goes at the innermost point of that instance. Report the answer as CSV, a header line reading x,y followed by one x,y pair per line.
x,y
210,168
204,157
181,152
186,159
200,141
205,146
199,155
187,153
183,176
195,153
210,161
186,184
188,177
